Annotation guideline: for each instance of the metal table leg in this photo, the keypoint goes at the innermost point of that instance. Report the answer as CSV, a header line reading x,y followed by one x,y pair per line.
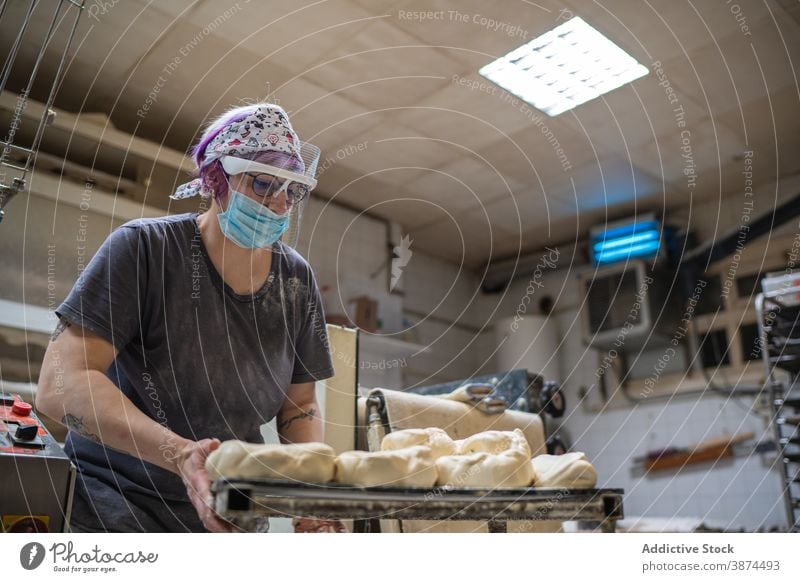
x,y
608,526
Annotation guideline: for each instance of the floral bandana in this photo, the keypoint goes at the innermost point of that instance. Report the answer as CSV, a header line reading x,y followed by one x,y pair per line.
x,y
267,129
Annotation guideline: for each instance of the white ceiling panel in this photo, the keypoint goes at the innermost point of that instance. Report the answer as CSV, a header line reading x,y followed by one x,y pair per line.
x,y
609,183
659,30
465,182
634,114
468,110
707,146
525,211
542,151
462,239
384,61
288,31
476,32
391,146
322,117
738,69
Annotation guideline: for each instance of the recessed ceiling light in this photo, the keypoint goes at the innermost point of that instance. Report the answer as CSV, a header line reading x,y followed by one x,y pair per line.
x,y
567,66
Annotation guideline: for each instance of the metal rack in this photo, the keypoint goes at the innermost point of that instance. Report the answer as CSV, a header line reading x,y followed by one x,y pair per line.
x,y
778,309
246,502
16,160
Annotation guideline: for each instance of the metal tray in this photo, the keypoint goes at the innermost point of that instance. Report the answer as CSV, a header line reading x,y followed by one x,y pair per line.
x,y
246,502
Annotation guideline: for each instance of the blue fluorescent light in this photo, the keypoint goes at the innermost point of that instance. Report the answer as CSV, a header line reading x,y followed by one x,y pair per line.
x,y
644,249
630,229
605,245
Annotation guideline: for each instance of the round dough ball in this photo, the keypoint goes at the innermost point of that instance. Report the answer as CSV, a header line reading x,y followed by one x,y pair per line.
x,y
485,470
437,439
303,462
495,442
411,467
570,470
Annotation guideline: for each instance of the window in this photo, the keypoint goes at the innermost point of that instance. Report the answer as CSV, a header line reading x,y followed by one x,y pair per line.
x,y
749,341
714,349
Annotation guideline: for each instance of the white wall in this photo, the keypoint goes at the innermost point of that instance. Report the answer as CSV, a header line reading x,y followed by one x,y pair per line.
x,y
349,252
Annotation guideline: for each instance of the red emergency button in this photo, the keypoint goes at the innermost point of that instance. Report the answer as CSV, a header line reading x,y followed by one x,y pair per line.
x,y
21,408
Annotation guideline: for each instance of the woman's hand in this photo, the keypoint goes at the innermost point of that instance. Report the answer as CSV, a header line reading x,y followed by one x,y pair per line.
x,y
306,525
191,463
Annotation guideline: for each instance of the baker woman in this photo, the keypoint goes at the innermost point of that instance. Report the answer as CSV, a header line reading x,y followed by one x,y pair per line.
x,y
187,330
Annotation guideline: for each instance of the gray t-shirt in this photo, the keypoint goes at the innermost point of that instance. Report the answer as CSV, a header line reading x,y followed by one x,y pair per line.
x,y
194,355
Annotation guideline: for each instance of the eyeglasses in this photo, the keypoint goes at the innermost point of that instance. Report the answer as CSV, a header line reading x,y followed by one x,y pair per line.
x,y
268,186
271,180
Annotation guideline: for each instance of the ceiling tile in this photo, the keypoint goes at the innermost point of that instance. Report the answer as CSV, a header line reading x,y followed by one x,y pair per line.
x,y
378,6
522,212
469,111
391,146
463,183
326,119
460,240
659,30
737,70
633,114
770,126
295,33
607,184
543,150
709,146
383,67
476,32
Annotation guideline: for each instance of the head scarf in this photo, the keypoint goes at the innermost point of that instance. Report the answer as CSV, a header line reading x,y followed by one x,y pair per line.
x,y
266,129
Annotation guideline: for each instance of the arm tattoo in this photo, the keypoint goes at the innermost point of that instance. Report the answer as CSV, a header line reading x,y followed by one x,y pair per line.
x,y
284,424
79,426
62,325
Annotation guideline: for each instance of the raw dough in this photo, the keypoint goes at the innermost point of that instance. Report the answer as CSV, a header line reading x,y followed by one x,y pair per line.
x,y
411,467
469,394
495,442
488,459
304,462
479,396
435,438
485,470
570,470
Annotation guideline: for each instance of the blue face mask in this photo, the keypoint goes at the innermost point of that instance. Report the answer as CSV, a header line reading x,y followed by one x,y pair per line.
x,y
249,224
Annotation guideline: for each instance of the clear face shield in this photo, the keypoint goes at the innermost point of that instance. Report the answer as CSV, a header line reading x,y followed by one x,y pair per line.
x,y
268,181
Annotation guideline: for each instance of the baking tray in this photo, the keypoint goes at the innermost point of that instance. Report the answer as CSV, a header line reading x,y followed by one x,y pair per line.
x,y
246,502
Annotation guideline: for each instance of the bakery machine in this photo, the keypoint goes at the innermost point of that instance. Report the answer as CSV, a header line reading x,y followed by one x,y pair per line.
x,y
518,389
37,479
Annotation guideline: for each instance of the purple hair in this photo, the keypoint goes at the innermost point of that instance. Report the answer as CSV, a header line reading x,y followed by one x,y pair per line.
x,y
206,171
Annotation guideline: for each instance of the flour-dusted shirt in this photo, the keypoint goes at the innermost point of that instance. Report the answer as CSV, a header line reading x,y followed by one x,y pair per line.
x,y
196,357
